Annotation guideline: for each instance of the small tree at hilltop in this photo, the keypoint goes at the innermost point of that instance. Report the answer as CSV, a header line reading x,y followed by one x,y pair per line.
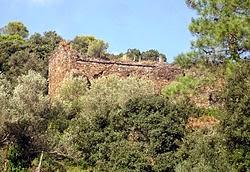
x,y
97,49
16,28
81,43
90,46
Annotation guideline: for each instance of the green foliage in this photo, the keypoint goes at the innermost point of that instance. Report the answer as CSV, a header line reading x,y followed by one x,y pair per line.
x,y
149,55
153,55
76,169
22,61
108,93
120,124
43,45
183,85
11,38
25,111
90,46
19,55
203,150
185,60
81,43
159,126
88,107
133,54
237,90
73,88
230,69
49,164
16,28
97,49
9,44
212,111
105,129
16,161
103,95
5,93
139,136
221,26
29,95
71,93
236,124
127,156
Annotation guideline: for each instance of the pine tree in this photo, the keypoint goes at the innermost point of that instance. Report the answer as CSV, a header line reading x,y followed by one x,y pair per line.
x,y
222,26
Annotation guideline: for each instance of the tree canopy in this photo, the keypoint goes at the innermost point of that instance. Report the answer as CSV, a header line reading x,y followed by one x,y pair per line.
x,y
221,26
16,28
90,46
19,54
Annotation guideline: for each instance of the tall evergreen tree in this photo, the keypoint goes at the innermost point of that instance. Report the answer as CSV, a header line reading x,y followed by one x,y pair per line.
x,y
222,26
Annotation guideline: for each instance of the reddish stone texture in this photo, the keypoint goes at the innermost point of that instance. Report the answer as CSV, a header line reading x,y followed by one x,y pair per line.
x,y
202,122
66,62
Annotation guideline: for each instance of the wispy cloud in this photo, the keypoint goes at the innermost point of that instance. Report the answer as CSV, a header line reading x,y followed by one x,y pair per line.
x,y
43,2
39,1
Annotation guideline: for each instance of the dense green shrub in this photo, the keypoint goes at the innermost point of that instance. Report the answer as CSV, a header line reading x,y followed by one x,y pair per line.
x,y
16,160
90,105
106,94
236,123
203,150
184,85
25,110
142,135
19,54
185,60
70,93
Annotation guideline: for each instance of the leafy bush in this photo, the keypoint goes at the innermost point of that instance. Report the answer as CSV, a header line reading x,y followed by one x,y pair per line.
x,y
91,106
16,163
29,97
25,113
71,91
236,123
185,60
19,54
5,94
182,86
142,135
109,93
203,150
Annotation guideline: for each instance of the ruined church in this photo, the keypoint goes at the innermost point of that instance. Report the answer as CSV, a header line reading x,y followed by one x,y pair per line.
x,y
66,62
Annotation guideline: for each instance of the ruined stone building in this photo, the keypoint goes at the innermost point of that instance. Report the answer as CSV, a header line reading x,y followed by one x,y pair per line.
x,y
66,62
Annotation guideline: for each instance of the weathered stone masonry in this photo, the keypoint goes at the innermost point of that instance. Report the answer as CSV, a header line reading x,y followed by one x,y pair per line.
x,y
66,62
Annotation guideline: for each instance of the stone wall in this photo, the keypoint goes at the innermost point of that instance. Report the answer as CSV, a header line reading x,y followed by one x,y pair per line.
x,y
66,62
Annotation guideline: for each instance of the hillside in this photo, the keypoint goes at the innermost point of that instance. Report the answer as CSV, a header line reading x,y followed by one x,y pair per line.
x,y
74,106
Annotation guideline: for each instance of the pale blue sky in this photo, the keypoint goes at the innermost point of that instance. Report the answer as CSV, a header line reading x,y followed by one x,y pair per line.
x,y
142,24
